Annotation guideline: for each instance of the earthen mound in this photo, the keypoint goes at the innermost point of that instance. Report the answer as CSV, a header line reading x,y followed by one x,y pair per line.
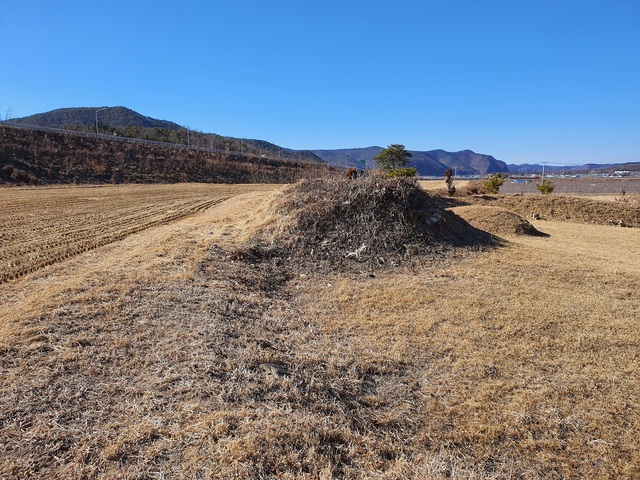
x,y
496,220
370,219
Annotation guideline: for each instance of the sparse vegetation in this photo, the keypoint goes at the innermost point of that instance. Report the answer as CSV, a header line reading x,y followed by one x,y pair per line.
x,y
451,189
562,208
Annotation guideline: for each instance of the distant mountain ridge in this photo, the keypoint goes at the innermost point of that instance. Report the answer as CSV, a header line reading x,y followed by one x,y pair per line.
x,y
126,122
432,162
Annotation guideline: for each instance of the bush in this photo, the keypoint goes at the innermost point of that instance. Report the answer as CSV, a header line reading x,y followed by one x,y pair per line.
x,y
545,187
402,172
493,183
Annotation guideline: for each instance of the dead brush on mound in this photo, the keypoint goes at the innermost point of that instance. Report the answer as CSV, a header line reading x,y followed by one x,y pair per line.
x,y
370,219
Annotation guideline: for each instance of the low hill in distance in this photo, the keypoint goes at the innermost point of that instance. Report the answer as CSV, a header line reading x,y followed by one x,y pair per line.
x,y
124,122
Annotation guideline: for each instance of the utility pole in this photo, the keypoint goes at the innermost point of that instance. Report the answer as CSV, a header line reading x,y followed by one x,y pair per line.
x,y
188,129
543,164
99,110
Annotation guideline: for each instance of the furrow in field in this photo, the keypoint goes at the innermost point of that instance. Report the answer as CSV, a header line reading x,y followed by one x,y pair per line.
x,y
42,234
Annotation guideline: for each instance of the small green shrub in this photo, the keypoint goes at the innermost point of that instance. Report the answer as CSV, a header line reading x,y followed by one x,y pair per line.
x,y
402,172
545,187
493,183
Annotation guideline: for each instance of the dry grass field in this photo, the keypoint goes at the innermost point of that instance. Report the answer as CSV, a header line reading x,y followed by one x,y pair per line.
x,y
162,354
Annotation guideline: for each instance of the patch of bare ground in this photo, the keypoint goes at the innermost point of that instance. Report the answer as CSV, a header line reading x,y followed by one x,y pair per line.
x,y
165,356
440,186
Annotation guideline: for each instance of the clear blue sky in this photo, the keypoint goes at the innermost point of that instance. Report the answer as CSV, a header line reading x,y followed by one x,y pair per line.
x,y
523,80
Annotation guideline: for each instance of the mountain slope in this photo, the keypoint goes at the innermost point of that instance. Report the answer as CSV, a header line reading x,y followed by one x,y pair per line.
x,y
349,157
427,164
124,122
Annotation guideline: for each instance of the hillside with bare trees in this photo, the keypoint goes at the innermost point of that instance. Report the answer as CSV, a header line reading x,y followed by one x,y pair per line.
x,y
30,156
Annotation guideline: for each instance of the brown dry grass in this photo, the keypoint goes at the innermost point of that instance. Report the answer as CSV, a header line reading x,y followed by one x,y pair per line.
x,y
527,358
142,359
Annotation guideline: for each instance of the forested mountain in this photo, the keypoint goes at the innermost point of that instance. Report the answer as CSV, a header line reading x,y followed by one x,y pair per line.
x,y
350,157
124,122
467,162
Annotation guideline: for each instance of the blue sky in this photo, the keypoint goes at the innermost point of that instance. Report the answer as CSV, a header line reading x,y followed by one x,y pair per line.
x,y
523,80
